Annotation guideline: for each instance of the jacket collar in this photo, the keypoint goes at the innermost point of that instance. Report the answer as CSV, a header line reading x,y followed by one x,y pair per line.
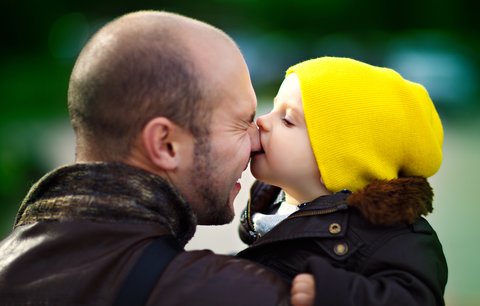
x,y
107,192
392,202
386,202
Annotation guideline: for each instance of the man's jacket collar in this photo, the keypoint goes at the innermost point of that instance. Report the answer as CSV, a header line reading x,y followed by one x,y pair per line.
x,y
107,192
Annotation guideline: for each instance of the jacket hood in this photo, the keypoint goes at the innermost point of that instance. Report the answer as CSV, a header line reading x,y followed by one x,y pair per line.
x,y
394,201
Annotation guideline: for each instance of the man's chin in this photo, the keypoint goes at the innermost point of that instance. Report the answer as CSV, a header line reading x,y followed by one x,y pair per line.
x,y
217,219
218,213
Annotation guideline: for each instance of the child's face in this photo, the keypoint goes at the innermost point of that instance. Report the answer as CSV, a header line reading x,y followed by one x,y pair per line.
x,y
287,160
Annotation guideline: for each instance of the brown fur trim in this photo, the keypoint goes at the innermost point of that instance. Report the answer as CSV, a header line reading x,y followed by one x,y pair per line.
x,y
396,201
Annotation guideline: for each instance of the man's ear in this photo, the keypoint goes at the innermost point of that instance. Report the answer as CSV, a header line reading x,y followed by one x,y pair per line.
x,y
159,138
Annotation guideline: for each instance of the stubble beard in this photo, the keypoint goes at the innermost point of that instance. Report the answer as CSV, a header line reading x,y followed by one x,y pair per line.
x,y
213,203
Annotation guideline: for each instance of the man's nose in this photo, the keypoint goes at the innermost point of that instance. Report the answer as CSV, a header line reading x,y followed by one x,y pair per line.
x,y
254,138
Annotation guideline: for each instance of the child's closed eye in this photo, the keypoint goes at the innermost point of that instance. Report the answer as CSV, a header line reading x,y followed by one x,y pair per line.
x,y
287,122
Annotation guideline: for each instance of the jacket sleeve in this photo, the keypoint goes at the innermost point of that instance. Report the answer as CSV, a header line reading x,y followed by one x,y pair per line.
x,y
392,276
204,278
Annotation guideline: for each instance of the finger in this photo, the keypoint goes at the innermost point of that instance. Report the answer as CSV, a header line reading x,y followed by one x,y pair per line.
x,y
304,277
301,299
301,287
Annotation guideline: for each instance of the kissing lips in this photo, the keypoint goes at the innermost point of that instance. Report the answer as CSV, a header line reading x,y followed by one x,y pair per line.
x,y
260,151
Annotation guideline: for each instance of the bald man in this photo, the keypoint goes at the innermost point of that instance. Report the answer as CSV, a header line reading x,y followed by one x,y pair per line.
x,y
162,107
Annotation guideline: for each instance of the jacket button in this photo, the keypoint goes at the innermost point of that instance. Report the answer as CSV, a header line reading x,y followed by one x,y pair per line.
x,y
340,249
334,228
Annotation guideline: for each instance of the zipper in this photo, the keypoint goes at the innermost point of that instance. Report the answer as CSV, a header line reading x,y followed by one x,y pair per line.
x,y
248,216
316,212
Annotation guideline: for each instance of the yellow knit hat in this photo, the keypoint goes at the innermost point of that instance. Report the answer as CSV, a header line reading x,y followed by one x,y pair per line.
x,y
366,123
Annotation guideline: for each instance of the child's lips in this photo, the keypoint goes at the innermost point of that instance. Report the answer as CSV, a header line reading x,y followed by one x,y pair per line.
x,y
261,151
258,152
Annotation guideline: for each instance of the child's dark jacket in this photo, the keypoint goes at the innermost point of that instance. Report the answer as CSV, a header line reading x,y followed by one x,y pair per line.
x,y
365,251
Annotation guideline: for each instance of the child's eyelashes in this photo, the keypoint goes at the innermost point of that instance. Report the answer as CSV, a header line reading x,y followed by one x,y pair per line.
x,y
286,122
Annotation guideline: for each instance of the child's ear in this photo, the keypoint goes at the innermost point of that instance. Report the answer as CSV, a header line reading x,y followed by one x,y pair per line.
x,y
160,141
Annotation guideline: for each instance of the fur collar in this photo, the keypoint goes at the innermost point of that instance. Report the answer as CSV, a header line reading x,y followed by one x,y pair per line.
x,y
399,200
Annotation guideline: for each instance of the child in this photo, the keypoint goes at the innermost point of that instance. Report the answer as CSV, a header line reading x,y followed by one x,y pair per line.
x,y
345,155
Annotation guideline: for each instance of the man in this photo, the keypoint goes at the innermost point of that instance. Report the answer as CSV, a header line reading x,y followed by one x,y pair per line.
x,y
162,107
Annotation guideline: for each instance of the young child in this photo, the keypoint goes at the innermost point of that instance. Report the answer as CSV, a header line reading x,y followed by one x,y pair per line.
x,y
342,186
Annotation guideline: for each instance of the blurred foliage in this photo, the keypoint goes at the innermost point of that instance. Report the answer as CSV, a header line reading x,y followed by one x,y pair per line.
x,y
434,42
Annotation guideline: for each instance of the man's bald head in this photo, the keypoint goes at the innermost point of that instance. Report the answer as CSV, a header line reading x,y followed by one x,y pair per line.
x,y
141,66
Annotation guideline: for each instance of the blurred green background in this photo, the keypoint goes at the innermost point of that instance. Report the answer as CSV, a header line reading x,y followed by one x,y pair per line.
x,y
436,43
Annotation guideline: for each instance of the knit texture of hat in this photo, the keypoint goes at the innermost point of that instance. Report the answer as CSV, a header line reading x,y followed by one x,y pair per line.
x,y
367,123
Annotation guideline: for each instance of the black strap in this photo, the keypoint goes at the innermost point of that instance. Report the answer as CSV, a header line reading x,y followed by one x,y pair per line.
x,y
145,273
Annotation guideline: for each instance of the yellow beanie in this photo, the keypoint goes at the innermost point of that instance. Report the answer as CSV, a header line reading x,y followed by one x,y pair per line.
x,y
367,123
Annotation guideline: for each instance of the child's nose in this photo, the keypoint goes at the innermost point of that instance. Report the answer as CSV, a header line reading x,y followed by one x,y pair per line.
x,y
262,123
